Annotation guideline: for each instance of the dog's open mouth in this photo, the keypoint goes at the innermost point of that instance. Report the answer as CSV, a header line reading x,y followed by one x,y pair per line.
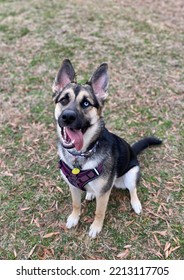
x,y
72,138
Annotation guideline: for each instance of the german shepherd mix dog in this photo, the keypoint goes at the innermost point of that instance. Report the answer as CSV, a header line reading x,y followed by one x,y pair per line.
x,y
92,159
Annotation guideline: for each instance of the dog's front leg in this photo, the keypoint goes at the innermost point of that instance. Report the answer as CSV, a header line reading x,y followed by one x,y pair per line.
x,y
76,203
101,205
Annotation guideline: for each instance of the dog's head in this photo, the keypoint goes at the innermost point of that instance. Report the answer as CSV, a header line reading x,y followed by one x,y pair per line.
x,y
78,110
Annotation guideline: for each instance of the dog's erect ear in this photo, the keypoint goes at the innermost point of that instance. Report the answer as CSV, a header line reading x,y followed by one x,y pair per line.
x,y
99,82
65,76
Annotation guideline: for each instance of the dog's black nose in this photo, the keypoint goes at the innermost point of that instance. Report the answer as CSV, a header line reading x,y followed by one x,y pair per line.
x,y
68,116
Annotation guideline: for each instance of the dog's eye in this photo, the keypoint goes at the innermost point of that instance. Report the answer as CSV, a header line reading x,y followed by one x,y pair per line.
x,y
85,104
64,101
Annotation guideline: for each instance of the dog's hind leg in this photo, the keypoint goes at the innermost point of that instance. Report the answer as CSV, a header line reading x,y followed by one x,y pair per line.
x,y
76,202
129,181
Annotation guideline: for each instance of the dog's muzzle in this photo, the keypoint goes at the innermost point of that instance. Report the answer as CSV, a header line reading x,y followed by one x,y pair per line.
x,y
71,129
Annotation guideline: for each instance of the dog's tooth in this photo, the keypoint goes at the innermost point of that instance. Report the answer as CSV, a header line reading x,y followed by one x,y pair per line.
x,y
64,130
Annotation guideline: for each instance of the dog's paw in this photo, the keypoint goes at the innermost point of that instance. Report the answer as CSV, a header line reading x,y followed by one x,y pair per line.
x,y
89,196
72,221
94,230
136,205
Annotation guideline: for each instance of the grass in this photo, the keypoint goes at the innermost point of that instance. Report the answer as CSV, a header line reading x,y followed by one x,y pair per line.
x,y
143,44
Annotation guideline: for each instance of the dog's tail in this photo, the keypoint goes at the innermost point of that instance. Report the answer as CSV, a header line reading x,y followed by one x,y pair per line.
x,y
144,143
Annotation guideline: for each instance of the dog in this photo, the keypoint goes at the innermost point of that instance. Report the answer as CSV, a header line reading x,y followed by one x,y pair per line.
x,y
92,159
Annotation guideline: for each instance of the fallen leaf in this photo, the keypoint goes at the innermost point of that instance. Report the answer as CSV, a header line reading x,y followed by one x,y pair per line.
x,y
157,241
25,208
123,254
166,254
129,223
62,226
156,185
15,253
32,250
163,206
162,233
127,246
44,252
48,235
133,238
167,246
114,249
59,189
8,174
32,220
176,240
159,208
156,215
174,249
88,219
157,253
36,221
50,210
170,251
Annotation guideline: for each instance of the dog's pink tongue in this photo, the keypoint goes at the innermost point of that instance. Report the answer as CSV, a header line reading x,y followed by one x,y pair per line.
x,y
76,137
